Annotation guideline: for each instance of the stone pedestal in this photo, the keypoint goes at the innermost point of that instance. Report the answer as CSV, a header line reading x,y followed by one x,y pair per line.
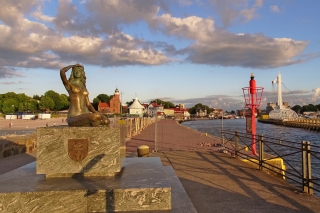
x,y
81,169
142,185
84,151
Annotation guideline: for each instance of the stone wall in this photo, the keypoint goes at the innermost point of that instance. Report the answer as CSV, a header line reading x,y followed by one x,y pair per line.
x,y
17,144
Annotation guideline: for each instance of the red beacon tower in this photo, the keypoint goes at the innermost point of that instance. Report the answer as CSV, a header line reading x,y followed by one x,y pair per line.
x,y
252,97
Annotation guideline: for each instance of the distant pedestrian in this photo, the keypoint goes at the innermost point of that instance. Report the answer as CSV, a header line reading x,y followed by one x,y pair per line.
x,y
62,120
54,124
47,124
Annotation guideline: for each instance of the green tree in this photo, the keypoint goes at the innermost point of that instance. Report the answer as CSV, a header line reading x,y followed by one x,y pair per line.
x,y
36,97
9,105
199,106
66,97
129,102
296,108
95,103
21,98
308,108
46,103
64,102
10,95
32,105
19,102
104,98
165,104
60,102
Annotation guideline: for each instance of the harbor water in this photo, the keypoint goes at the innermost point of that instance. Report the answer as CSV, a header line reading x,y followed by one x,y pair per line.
x,y
294,135
214,127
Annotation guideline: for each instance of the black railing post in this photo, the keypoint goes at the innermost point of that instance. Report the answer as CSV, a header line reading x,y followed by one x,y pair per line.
x,y
306,168
261,151
236,143
309,174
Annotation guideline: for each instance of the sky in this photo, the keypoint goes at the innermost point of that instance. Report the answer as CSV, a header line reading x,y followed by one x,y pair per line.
x,y
182,51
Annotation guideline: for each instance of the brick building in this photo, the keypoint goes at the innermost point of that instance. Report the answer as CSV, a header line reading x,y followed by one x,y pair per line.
x,y
113,106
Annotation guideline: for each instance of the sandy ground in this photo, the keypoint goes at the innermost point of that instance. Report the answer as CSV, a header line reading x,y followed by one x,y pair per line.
x,y
30,124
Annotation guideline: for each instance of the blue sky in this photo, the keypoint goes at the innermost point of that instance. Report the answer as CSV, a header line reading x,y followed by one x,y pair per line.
x,y
182,51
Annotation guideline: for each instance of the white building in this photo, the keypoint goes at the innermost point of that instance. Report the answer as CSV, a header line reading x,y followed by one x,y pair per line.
x,y
136,108
154,108
11,117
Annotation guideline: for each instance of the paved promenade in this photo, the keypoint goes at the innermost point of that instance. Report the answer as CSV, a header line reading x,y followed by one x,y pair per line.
x,y
214,181
217,182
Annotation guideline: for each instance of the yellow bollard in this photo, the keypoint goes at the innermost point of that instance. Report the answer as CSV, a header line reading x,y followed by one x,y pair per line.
x,y
246,148
206,134
143,151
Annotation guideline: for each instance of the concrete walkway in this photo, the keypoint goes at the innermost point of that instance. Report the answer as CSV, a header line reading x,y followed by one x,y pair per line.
x,y
214,181
218,182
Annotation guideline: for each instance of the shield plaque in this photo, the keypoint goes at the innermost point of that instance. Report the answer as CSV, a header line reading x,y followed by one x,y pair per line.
x,y
78,149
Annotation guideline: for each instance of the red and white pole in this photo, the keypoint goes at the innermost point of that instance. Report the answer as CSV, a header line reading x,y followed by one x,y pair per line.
x,y
253,92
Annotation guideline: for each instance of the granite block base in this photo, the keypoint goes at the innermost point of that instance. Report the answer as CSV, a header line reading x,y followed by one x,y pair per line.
x,y
88,151
143,185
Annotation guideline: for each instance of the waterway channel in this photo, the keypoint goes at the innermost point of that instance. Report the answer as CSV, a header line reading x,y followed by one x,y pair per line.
x,y
214,127
294,135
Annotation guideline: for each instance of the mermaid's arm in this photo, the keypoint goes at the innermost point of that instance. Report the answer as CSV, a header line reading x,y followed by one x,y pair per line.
x,y
63,76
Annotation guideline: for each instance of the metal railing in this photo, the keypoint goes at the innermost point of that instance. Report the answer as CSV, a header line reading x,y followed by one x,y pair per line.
x,y
301,160
134,125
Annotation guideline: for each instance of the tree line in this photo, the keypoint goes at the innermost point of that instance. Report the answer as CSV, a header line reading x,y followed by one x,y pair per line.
x,y
306,108
52,101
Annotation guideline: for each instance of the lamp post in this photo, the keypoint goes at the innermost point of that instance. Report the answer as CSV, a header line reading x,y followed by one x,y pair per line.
x,y
156,129
222,133
121,103
252,97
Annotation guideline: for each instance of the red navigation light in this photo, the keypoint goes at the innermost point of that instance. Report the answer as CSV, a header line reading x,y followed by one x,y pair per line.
x,y
252,97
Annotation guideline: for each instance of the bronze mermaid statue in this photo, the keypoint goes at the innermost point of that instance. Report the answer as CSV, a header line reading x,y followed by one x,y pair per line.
x,y
81,112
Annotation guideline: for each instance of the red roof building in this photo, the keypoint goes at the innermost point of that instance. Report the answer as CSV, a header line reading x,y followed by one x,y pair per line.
x,y
113,106
103,107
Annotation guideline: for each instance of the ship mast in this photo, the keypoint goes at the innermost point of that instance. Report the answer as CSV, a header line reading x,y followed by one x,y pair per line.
x,y
279,82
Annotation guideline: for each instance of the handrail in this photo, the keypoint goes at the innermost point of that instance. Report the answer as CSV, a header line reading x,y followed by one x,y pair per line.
x,y
297,157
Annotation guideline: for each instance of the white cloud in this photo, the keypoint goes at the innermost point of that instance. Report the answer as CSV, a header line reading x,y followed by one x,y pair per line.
x,y
9,72
40,16
104,16
316,94
12,12
94,36
236,10
274,8
245,50
35,45
192,27
185,2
